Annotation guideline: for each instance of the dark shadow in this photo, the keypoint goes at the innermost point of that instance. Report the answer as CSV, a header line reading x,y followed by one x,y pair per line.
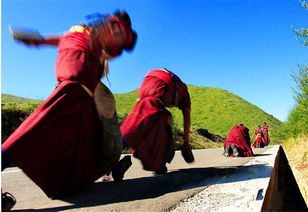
x,y
258,155
260,195
102,193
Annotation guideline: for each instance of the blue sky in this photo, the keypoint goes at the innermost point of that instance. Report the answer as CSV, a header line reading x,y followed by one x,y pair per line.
x,y
246,47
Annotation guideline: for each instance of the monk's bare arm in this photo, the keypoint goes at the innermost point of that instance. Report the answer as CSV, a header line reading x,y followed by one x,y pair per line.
x,y
186,116
51,41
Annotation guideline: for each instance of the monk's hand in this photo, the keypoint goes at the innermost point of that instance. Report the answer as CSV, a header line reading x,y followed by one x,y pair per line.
x,y
187,153
30,42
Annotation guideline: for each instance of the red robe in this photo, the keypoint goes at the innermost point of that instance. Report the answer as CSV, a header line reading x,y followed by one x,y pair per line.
x,y
259,138
146,128
239,136
57,146
266,134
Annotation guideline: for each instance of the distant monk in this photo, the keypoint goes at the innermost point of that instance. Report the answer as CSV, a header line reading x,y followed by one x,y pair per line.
x,y
237,143
259,142
147,129
266,134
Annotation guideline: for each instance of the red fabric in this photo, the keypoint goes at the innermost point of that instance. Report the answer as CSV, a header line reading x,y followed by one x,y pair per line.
x,y
145,128
239,136
266,134
266,137
259,137
161,74
163,85
57,145
80,41
146,132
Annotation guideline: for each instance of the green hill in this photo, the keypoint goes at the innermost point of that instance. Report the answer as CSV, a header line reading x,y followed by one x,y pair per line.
x,y
214,109
5,98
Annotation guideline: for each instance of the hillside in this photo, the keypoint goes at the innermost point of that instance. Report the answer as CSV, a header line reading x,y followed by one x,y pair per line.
x,y
18,100
214,109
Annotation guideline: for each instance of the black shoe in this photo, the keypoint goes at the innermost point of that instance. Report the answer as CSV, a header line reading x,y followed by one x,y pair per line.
x,y
162,171
235,151
120,169
8,201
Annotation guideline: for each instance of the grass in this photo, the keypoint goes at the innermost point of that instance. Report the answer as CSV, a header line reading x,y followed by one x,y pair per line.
x,y
297,153
214,109
6,98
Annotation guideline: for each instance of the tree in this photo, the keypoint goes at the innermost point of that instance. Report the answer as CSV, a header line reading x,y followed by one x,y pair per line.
x,y
302,34
297,123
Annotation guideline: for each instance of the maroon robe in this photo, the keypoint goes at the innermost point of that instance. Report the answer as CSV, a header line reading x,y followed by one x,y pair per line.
x,y
266,134
147,129
259,138
57,145
239,136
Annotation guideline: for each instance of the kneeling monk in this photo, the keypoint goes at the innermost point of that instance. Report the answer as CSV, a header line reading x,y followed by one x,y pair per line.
x,y
237,143
147,129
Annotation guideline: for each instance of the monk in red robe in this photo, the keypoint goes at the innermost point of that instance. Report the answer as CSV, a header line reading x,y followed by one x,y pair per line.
x,y
58,146
147,129
259,142
266,133
237,143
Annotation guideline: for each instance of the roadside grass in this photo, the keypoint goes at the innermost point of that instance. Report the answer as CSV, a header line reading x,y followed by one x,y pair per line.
x,y
197,142
297,153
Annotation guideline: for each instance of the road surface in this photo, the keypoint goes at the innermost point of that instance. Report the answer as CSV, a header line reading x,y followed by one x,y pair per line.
x,y
140,190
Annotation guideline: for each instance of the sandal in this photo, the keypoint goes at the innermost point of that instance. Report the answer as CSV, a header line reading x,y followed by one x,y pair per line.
x,y
106,178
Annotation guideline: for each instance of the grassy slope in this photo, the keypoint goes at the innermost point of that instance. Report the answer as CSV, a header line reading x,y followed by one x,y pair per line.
x,y
14,103
214,109
18,100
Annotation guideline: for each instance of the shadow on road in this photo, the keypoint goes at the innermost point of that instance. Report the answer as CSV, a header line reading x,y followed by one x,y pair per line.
x,y
258,155
103,193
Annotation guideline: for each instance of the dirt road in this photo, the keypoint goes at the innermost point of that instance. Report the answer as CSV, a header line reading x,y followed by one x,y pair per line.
x,y
140,191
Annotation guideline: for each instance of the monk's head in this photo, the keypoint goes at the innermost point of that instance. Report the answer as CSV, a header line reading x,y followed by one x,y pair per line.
x,y
116,34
